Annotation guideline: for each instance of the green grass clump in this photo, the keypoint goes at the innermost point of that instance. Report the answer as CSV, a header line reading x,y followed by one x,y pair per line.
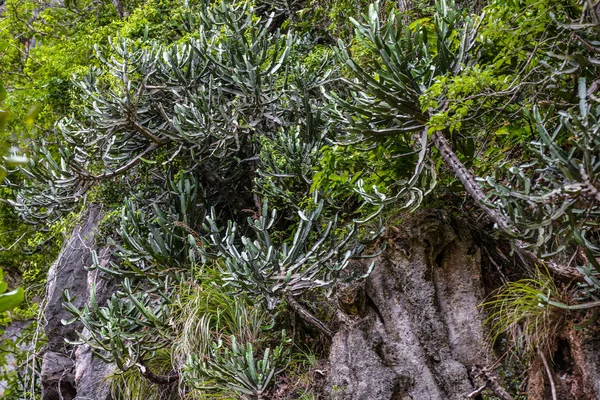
x,y
521,311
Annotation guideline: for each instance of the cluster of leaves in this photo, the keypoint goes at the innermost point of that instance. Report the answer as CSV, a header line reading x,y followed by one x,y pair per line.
x,y
553,199
232,343
265,270
9,300
207,96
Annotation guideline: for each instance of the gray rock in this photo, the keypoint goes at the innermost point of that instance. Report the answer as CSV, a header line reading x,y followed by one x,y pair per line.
x,y
91,375
57,377
69,272
423,332
85,374
353,353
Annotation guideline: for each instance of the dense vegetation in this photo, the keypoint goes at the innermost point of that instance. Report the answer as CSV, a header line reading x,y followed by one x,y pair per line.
x,y
245,153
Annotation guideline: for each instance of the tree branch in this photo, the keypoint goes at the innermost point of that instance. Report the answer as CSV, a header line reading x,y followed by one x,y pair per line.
x,y
307,316
467,179
474,190
125,167
146,132
155,378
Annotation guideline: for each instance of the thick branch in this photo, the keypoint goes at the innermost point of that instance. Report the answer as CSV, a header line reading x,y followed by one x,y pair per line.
x,y
307,316
155,378
146,133
473,189
134,161
467,179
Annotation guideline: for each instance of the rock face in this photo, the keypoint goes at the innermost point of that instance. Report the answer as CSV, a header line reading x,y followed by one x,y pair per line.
x,y
575,366
71,372
421,333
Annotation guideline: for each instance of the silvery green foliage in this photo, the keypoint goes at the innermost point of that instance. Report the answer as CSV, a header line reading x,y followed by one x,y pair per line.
x,y
157,251
50,189
554,200
235,366
385,93
288,159
234,351
287,166
130,327
136,320
207,104
204,98
384,101
266,267
159,239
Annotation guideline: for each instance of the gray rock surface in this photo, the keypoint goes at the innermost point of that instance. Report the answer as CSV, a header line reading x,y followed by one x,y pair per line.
x,y
91,375
591,364
57,376
71,371
422,332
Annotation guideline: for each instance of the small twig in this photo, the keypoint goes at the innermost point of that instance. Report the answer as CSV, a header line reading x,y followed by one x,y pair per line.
x,y
587,45
170,160
503,277
477,391
497,361
491,382
549,373
307,316
14,244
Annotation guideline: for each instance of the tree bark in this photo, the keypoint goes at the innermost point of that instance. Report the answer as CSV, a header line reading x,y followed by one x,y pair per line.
x,y
307,316
474,190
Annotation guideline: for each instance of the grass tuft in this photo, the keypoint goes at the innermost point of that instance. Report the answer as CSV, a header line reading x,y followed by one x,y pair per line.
x,y
521,311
